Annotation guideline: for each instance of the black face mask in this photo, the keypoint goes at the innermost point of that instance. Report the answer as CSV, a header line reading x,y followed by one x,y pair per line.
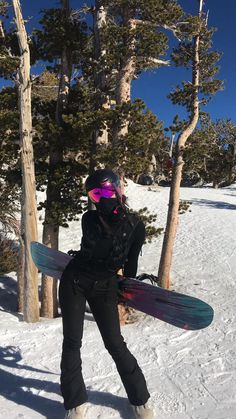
x,y
106,206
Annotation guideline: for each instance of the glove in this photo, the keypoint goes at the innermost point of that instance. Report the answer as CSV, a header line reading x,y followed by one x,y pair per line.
x,y
72,252
152,278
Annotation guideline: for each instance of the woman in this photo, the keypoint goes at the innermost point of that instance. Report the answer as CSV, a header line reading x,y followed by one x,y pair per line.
x,y
112,239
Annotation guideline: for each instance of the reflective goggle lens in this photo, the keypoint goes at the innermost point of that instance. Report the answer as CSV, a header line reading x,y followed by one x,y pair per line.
x,y
107,191
97,193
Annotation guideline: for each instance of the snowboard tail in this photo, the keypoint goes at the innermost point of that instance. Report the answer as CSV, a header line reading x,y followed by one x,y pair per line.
x,y
178,309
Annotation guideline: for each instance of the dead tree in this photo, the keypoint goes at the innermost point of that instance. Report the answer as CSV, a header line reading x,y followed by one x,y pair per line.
x,y
29,207
174,198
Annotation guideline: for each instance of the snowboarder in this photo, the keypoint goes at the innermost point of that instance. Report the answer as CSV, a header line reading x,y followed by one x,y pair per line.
x,y
112,239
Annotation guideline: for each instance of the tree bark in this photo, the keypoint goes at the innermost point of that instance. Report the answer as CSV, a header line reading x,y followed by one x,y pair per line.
x,y
2,34
232,171
123,87
174,198
49,304
20,277
29,207
152,166
100,80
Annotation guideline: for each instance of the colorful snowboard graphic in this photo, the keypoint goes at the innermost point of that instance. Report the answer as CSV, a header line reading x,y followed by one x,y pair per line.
x,y
180,310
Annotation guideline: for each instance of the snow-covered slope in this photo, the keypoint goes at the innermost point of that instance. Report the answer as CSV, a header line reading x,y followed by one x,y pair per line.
x,y
189,374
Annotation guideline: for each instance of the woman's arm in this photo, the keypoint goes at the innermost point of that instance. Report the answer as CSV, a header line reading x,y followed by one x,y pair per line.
x,y
131,264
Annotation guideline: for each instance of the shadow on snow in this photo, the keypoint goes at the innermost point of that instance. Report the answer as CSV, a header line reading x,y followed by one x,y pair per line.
x,y
213,204
26,391
8,294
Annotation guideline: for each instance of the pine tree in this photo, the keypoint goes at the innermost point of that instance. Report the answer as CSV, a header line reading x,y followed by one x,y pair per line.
x,y
211,152
63,28
128,38
51,227
192,53
134,42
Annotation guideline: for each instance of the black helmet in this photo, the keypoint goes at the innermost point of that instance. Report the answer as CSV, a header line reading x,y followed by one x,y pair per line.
x,y
96,179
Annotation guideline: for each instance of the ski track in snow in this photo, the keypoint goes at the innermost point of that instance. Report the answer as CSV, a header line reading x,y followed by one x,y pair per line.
x,y
190,375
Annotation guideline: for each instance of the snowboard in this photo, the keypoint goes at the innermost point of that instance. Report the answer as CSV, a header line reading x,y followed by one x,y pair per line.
x,y
180,310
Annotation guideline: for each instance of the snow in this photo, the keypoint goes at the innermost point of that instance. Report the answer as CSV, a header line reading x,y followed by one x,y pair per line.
x,y
189,374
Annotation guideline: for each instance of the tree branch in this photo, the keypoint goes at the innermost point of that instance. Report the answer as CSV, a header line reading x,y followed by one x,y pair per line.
x,y
155,62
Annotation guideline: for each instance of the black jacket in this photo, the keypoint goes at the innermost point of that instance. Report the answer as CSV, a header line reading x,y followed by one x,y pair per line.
x,y
107,248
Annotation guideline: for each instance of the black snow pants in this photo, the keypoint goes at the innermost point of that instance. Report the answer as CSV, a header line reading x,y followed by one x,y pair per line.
x,y
102,299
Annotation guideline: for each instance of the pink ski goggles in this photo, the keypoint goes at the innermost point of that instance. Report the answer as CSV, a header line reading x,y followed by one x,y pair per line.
x,y
106,191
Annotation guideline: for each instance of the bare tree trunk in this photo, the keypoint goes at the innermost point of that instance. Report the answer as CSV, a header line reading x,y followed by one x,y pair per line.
x,y
100,79
125,77
124,80
232,171
172,216
2,34
29,208
153,161
20,277
49,304
152,166
215,184
123,95
99,137
172,145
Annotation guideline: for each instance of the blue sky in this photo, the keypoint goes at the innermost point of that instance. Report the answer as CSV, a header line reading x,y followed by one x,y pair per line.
x,y
153,87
